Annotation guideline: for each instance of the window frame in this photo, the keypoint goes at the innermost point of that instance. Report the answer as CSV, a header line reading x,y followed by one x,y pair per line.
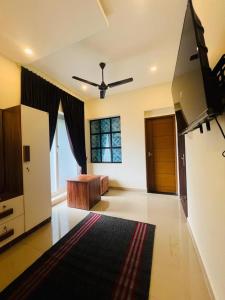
x,y
111,145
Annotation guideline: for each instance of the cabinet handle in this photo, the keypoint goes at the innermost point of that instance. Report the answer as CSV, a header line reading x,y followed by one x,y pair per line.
x,y
6,213
6,234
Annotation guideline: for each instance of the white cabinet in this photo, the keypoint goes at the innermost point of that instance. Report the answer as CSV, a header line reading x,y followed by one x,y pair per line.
x,y
11,209
11,219
27,174
36,172
14,227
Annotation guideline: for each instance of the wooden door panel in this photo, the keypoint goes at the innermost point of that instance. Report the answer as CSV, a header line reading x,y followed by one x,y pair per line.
x,y
165,189
165,167
162,142
161,154
165,179
164,128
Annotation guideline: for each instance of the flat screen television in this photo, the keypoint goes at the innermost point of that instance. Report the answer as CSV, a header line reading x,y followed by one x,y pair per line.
x,y
194,86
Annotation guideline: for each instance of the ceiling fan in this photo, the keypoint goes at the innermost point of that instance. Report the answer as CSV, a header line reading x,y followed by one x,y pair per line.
x,y
103,86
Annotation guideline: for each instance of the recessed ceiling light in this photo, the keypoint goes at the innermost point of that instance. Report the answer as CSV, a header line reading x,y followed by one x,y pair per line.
x,y
84,87
153,68
28,51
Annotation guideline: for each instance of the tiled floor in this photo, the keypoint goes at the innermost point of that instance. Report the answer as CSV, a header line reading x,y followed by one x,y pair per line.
x,y
176,273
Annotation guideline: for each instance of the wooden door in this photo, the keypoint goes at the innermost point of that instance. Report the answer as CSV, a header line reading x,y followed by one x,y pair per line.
x,y
161,155
181,125
36,172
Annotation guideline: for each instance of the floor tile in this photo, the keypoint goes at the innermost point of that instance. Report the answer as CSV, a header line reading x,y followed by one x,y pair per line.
x,y
176,272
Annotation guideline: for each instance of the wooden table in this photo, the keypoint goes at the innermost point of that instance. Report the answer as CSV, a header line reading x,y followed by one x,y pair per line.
x,y
83,191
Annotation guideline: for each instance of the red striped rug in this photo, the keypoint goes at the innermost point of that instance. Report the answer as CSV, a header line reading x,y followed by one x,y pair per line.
x,y
100,258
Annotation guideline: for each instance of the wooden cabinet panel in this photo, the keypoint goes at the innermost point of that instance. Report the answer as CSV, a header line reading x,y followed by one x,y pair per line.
x,y
13,178
83,192
104,184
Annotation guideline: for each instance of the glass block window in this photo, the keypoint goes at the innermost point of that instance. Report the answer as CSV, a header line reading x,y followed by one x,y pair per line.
x,y
106,140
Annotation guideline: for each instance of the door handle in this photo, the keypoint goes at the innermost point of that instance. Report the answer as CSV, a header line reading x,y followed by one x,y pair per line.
x,y
149,154
6,212
6,233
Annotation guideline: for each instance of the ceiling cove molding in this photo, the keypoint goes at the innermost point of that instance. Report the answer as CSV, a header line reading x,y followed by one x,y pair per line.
x,y
103,12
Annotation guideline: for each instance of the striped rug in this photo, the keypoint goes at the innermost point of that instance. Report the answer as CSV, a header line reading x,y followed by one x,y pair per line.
x,y
100,258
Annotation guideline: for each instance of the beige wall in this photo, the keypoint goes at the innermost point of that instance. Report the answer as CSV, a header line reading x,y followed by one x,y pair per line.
x,y
206,166
131,107
9,83
206,200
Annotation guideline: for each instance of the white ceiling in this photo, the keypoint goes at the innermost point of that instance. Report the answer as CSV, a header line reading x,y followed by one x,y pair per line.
x,y
72,37
46,26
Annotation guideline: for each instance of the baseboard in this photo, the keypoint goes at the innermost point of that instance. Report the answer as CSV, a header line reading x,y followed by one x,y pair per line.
x,y
206,278
58,199
127,189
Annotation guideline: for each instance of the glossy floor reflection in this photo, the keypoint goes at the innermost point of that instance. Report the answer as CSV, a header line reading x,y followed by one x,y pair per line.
x,y
176,272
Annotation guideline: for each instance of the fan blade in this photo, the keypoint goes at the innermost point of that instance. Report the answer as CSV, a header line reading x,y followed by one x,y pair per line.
x,y
120,82
85,81
102,94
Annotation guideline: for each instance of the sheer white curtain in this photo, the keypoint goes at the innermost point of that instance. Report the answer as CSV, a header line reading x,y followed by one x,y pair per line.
x,y
63,163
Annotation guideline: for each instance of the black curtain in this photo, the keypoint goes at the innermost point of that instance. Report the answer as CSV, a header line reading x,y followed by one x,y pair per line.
x,y
41,94
73,110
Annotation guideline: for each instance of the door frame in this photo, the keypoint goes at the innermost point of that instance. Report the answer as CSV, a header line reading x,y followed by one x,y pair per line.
x,y
149,177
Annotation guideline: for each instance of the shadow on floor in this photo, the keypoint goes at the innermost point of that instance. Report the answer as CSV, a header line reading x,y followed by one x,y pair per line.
x,y
101,206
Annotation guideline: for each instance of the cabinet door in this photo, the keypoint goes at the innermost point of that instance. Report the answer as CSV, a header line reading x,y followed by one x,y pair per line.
x,y
36,171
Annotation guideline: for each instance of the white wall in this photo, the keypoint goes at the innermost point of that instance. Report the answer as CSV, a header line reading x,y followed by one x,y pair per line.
x,y
206,166
131,107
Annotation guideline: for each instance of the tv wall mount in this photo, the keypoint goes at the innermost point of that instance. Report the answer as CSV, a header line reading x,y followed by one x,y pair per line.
x,y
219,74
